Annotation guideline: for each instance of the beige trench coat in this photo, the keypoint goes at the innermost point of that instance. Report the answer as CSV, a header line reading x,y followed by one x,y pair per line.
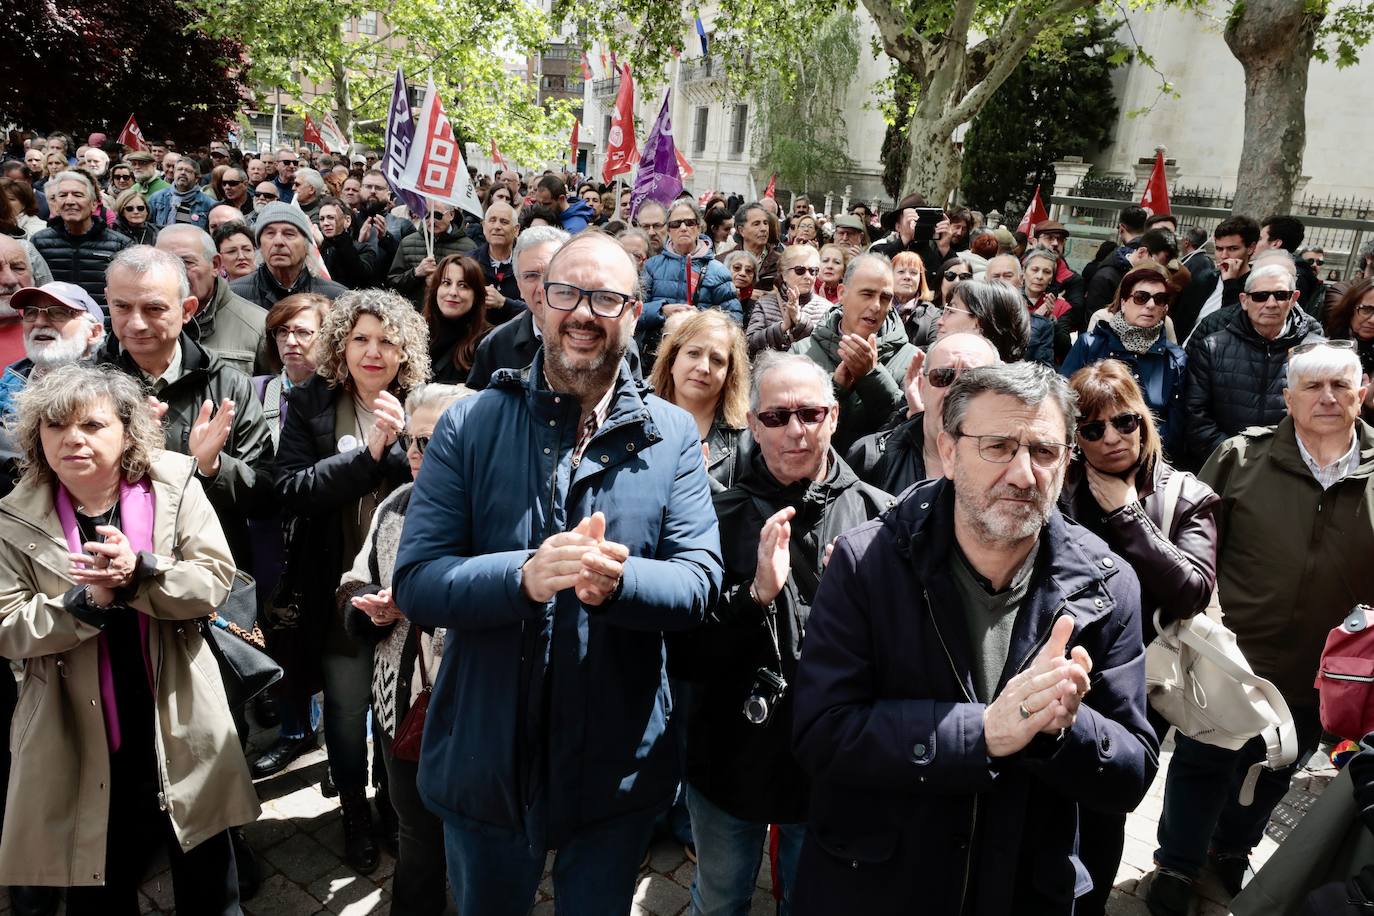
x,y
58,804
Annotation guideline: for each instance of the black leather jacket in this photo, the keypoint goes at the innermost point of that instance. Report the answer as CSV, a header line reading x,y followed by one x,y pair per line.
x,y
1177,569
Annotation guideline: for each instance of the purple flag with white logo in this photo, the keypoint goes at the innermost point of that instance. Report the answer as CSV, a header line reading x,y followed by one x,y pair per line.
x,y
400,133
659,177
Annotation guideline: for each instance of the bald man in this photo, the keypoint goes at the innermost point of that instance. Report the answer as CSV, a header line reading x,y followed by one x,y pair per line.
x,y
500,226
893,459
561,602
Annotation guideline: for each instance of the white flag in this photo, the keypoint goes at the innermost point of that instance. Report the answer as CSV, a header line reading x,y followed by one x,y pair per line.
x,y
334,139
435,168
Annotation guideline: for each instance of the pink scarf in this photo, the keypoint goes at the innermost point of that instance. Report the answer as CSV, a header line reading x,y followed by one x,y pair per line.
x,y
137,509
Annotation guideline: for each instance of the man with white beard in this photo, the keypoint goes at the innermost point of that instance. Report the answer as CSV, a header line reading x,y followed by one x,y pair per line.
x,y
62,324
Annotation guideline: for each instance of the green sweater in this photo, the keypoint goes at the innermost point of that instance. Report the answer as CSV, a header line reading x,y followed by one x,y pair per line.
x,y
1293,559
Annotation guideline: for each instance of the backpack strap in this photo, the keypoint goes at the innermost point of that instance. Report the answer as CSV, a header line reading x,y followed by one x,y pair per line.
x,y
1173,487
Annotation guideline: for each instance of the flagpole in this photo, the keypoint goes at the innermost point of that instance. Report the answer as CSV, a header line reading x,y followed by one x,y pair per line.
x,y
429,236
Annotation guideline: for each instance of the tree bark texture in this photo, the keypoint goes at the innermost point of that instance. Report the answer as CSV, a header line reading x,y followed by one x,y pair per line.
x,y
1273,40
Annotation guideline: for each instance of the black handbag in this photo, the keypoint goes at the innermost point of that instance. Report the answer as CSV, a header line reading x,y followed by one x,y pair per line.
x,y
239,646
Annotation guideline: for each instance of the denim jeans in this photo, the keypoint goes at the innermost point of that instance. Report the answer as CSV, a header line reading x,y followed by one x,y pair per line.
x,y
729,852
495,873
1202,810
347,701
419,888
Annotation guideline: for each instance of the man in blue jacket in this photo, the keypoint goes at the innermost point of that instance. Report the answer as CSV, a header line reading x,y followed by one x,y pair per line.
x,y
561,525
972,675
573,215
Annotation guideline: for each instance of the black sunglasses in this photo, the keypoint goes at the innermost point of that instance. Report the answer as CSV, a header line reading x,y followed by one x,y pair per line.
x,y
952,275
420,442
679,223
809,416
1262,295
261,196
1124,423
942,377
1140,297
805,271
231,183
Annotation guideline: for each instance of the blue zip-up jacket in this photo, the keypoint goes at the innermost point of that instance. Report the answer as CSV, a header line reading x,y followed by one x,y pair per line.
x,y
906,804
549,717
665,280
1161,371
162,208
13,380
577,216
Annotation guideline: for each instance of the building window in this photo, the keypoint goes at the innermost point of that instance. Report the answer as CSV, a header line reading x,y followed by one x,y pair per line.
x,y
367,24
739,124
605,131
699,130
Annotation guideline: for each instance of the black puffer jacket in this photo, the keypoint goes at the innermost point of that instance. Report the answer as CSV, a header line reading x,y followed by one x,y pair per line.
x,y
748,770
1236,378
80,259
891,459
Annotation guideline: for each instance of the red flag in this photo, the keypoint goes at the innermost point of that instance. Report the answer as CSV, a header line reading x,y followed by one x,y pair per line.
x,y
771,190
132,137
1156,197
311,134
497,158
574,144
586,67
435,168
1035,214
621,149
683,166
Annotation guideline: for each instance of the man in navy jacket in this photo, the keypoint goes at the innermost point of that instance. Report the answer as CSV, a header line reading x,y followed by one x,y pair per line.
x,y
950,731
561,524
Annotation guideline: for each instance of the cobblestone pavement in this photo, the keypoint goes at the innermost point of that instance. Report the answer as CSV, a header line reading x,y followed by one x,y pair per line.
x,y
299,841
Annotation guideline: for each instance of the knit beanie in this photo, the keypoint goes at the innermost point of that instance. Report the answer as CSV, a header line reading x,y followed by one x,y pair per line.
x,y
278,212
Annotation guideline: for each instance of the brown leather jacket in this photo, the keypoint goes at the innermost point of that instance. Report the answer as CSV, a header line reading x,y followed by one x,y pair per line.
x,y
1177,570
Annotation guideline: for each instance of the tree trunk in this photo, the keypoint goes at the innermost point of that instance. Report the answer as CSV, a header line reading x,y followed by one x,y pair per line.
x,y
1273,40
342,102
933,168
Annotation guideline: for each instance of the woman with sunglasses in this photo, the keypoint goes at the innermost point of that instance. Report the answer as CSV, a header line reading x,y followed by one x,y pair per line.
x,y
131,217
405,661
791,311
121,180
1133,333
1115,486
683,277
1352,318
953,271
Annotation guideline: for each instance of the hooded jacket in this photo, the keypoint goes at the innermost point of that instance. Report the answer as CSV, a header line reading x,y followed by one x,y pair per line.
x,y
665,280
868,405
748,770
261,288
1236,379
550,717
576,216
906,804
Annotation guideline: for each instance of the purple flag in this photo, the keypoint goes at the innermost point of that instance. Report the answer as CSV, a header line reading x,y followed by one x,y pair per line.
x,y
400,133
658,177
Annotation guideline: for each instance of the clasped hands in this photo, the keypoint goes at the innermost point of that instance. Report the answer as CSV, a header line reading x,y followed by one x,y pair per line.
x,y
106,566
1042,699
581,559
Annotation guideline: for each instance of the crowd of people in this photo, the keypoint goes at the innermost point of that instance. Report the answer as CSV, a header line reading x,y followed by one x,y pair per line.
x,y
707,520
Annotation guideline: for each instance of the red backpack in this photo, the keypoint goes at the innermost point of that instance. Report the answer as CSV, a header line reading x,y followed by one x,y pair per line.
x,y
1345,677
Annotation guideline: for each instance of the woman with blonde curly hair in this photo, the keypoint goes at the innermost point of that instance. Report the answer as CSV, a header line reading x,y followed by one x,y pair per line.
x,y
703,367
109,549
338,458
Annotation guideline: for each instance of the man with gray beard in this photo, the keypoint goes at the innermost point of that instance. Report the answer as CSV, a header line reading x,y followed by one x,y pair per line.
x,y
61,324
942,702
20,266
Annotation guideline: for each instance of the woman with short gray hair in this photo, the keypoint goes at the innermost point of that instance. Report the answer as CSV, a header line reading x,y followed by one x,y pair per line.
x,y
338,458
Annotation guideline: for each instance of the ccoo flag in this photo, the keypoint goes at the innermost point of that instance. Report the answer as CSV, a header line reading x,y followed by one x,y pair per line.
x,y
435,168
1035,215
620,142
659,177
400,134
132,137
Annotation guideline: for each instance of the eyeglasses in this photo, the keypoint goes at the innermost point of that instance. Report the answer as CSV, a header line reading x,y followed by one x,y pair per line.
x,y
135,208
57,315
652,227
261,196
301,334
605,303
120,176
1364,312
1302,348
230,183
420,442
1124,423
1140,297
952,275
809,416
943,377
805,271
1003,449
1262,295
679,223
955,308
1315,262
286,162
